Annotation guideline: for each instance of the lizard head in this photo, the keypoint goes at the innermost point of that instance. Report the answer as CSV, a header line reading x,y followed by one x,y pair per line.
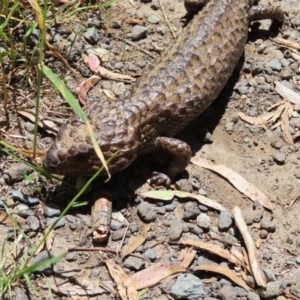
x,y
73,154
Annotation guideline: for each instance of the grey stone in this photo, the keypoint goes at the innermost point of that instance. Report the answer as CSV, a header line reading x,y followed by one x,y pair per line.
x,y
153,19
118,88
248,215
95,272
268,225
184,185
202,192
155,5
250,281
203,208
275,65
202,261
105,84
191,211
270,276
91,35
116,24
33,222
257,68
20,294
227,292
117,234
287,73
176,228
194,229
257,215
188,286
116,224
252,296
17,195
132,67
138,32
134,263
203,221
60,223
87,220
279,158
119,65
33,37
272,290
170,207
146,212
71,256
23,211
295,290
29,127
229,127
240,292
43,255
243,89
150,254
225,220
50,211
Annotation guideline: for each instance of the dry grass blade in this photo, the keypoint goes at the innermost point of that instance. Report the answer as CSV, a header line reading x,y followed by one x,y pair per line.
x,y
226,272
214,249
135,241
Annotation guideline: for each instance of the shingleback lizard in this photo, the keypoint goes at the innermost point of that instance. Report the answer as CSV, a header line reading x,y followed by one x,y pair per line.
x,y
173,91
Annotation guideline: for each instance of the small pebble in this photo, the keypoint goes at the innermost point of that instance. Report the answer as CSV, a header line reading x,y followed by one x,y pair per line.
x,y
275,65
268,225
134,263
279,158
150,254
153,19
176,228
91,35
225,220
138,32
146,212
203,221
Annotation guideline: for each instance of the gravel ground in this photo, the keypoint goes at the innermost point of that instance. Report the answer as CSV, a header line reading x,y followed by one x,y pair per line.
x,y
129,37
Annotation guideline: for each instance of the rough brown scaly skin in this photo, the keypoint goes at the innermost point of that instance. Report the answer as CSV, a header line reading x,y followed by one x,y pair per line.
x,y
176,89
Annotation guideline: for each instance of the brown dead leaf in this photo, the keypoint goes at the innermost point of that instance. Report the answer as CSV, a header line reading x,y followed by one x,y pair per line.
x,y
285,126
258,121
287,93
214,249
236,180
186,256
5,219
48,125
154,274
135,241
115,76
287,43
85,86
226,272
125,284
169,195
274,114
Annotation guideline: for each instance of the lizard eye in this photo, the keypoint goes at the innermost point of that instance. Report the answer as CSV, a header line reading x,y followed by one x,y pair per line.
x,y
81,157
